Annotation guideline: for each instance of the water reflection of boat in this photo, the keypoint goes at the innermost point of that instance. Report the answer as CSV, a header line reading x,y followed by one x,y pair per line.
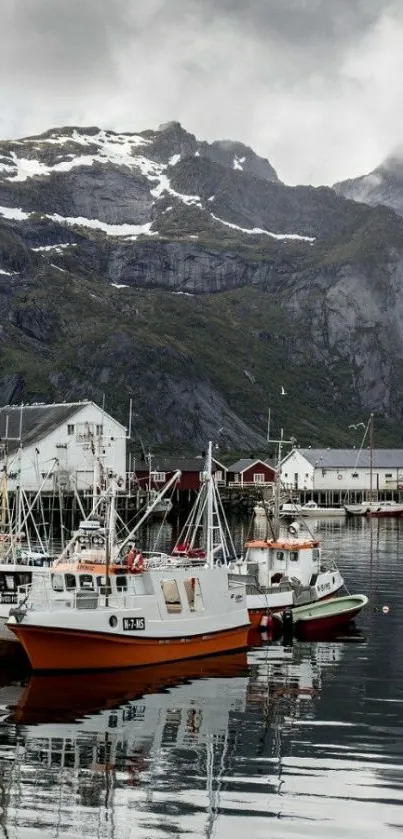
x,y
128,746
62,697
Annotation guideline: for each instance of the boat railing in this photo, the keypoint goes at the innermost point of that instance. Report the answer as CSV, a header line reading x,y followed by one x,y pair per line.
x,y
328,562
41,595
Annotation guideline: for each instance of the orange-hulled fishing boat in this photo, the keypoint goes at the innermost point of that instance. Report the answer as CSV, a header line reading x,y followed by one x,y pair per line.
x,y
101,608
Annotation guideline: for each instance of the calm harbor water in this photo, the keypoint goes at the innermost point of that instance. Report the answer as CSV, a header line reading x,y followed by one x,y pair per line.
x,y
301,741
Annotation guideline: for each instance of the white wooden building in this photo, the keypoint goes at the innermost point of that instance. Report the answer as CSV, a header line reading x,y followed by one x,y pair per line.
x,y
344,470
54,445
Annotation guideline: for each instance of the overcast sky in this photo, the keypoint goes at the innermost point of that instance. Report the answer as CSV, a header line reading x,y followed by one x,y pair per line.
x,y
314,85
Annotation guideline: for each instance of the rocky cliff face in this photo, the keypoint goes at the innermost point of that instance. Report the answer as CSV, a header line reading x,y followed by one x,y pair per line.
x,y
383,186
185,275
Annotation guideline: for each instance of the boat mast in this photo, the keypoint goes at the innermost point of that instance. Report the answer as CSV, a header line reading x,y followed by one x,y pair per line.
x,y
371,456
209,524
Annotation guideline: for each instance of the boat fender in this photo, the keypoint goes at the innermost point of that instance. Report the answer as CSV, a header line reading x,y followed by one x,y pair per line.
x,y
267,622
288,621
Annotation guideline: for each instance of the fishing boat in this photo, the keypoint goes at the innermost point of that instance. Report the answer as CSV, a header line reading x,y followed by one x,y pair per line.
x,y
19,558
375,509
371,505
286,568
332,614
291,509
125,611
311,510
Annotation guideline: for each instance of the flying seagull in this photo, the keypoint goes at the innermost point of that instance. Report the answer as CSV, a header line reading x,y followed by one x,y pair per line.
x,y
357,425
283,393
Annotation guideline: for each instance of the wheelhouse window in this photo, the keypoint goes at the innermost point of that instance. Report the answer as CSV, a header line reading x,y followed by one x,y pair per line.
x,y
86,582
171,595
280,556
57,582
121,582
70,582
293,556
194,595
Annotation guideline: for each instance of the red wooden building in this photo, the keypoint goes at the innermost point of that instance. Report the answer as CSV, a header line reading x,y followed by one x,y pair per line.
x,y
248,472
162,469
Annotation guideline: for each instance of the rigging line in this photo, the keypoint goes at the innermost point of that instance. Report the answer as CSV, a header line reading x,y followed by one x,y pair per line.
x,y
367,428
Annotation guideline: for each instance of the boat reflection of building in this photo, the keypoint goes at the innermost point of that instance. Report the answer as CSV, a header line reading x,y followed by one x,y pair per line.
x,y
135,753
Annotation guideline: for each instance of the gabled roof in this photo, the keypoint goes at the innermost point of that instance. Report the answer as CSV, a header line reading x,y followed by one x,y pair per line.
x,y
171,464
245,463
351,458
33,422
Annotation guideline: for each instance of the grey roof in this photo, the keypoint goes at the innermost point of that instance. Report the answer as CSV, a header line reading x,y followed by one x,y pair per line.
x,y
245,463
33,421
171,464
353,458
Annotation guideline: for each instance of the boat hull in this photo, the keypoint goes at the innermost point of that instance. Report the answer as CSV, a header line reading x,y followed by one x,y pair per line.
x,y
314,626
50,648
256,614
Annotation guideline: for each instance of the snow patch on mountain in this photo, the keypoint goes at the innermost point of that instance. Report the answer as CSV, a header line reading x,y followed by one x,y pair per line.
x,y
112,148
130,230
14,213
258,231
55,247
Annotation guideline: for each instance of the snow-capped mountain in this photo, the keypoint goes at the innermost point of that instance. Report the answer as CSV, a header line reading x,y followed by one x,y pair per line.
x,y
185,274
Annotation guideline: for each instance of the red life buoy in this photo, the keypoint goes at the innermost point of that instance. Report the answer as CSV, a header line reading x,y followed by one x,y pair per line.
x,y
130,559
138,564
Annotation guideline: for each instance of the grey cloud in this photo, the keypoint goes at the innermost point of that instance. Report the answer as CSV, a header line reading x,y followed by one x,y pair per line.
x,y
314,85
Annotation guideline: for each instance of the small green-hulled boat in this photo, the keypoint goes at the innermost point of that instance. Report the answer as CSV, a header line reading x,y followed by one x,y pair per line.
x,y
326,615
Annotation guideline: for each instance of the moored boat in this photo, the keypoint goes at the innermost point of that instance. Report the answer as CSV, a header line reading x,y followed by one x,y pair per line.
x,y
284,572
99,608
327,615
376,509
311,510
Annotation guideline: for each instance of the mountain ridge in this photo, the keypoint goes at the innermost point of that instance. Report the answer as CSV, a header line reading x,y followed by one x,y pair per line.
x,y
186,275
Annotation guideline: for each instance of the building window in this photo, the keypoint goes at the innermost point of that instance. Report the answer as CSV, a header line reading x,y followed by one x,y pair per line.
x,y
218,475
388,475
70,430
159,477
258,478
354,475
99,430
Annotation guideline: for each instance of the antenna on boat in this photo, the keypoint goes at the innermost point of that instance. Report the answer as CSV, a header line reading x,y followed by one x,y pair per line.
x,y
280,442
129,433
